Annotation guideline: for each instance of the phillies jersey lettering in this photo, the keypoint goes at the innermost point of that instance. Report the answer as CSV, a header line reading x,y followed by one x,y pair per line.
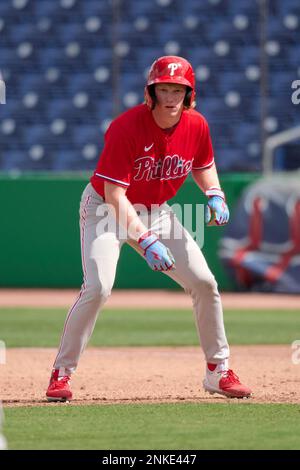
x,y
150,163
169,167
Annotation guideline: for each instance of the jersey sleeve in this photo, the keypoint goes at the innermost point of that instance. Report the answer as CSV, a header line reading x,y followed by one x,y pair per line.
x,y
116,160
205,155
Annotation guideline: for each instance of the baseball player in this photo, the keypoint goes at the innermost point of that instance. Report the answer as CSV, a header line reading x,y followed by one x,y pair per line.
x,y
148,153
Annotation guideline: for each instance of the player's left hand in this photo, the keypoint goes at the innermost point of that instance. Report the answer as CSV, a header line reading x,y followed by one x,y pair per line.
x,y
216,210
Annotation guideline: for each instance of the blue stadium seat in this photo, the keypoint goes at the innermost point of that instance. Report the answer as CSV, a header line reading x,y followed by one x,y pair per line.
x,y
64,159
290,6
60,108
293,56
280,84
146,56
96,7
52,81
230,81
5,8
51,57
236,160
12,160
85,134
247,133
201,55
38,134
21,32
80,82
135,9
8,57
248,8
69,32
99,56
45,8
218,30
32,82
10,109
248,56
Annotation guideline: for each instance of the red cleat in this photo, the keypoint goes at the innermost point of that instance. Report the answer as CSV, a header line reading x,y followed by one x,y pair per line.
x,y
59,388
225,383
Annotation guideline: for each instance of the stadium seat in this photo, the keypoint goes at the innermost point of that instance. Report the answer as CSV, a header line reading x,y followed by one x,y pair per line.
x,y
58,56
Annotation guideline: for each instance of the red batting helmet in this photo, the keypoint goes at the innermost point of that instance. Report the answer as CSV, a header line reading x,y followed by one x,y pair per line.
x,y
171,69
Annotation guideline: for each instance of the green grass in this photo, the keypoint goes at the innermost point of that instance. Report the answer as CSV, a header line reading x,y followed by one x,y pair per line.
x,y
234,425
237,425
24,327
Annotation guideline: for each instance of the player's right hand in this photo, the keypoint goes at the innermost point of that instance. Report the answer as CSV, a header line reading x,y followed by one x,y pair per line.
x,y
158,256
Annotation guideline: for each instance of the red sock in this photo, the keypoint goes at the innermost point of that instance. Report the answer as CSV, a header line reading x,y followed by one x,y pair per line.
x,y
211,367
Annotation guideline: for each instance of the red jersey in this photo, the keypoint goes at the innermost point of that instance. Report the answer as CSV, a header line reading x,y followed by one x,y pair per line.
x,y
151,164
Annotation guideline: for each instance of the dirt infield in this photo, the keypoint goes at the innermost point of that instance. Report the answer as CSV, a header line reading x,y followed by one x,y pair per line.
x,y
149,375
140,299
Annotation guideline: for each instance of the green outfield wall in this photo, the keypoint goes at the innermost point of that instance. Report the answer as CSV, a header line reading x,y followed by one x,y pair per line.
x,y
39,233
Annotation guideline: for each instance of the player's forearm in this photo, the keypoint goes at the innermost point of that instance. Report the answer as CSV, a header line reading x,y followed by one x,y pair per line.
x,y
207,178
124,211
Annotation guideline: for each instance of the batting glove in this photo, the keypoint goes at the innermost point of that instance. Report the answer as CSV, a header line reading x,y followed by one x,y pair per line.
x,y
158,256
216,210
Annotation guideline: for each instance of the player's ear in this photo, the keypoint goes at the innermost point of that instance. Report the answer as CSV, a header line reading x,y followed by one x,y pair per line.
x,y
187,99
150,97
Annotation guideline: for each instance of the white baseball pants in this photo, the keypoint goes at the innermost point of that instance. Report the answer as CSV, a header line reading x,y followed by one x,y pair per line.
x,y
100,251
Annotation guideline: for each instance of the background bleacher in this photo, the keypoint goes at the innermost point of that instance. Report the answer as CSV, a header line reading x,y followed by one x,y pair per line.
x,y
67,64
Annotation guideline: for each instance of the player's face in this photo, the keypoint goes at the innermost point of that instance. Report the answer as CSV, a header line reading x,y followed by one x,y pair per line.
x,y
170,98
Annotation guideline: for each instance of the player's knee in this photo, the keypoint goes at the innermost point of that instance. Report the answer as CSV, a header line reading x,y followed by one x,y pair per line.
x,y
105,292
98,292
206,286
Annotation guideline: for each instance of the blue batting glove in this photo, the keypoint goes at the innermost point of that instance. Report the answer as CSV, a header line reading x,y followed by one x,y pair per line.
x,y
158,256
216,211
